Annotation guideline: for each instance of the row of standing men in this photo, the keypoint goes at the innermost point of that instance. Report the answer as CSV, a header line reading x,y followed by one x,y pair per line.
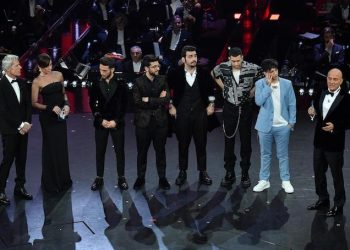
x,y
192,106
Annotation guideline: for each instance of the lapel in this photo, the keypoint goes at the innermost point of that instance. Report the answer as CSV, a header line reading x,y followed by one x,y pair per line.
x,y
12,91
320,104
335,104
103,90
22,92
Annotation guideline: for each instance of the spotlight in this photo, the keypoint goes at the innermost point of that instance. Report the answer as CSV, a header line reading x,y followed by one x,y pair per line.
x,y
83,84
130,85
237,16
274,17
65,83
301,91
311,92
74,84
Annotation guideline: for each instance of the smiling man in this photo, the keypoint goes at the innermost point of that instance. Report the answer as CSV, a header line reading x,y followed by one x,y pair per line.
x,y
331,108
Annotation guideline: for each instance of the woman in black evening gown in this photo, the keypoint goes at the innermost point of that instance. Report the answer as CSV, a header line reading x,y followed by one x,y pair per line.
x,y
55,166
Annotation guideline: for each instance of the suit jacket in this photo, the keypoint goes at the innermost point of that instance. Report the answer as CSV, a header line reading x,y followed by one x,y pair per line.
x,y
156,106
263,99
177,82
339,115
110,107
128,71
12,112
321,57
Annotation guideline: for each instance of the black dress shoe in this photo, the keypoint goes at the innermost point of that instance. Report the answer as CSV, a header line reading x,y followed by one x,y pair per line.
x,y
204,178
122,184
335,211
245,181
139,183
3,200
320,204
97,184
228,180
164,184
22,193
180,180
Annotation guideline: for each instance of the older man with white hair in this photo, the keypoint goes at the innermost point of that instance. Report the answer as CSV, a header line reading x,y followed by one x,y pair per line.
x,y
15,122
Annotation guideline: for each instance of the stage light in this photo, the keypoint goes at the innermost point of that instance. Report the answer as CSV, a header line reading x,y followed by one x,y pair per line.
x,y
74,84
237,16
83,84
301,91
311,92
274,17
65,83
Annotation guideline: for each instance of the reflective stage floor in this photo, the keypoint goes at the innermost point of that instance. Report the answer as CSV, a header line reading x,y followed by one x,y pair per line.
x,y
190,217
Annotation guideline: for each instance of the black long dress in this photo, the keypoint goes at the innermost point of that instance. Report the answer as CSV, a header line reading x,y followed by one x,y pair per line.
x,y
55,166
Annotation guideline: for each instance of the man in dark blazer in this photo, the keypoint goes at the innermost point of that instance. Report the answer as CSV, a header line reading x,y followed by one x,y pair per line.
x,y
108,100
15,122
151,96
172,42
331,108
192,103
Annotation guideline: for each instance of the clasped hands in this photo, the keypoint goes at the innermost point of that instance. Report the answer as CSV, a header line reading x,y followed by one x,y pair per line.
x,y
109,124
57,110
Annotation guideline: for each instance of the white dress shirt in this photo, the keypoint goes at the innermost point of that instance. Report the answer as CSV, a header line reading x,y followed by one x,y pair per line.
x,y
15,87
174,40
328,101
190,78
136,66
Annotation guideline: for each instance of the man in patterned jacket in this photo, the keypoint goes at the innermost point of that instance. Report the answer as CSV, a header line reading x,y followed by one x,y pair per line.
x,y
236,79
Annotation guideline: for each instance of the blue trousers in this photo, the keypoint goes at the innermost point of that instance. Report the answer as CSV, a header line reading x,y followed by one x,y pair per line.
x,y
279,135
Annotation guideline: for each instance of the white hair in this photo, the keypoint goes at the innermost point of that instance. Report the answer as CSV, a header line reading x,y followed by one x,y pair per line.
x,y
8,61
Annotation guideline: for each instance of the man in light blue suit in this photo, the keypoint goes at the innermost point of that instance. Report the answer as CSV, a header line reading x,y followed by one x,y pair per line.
x,y
276,99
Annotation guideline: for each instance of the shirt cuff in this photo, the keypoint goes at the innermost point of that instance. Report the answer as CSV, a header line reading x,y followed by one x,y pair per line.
x,y
21,126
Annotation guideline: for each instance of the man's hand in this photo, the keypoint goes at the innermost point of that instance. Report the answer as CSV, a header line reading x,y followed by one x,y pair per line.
x,y
66,110
311,111
163,94
104,123
268,78
329,45
145,99
26,127
329,127
172,110
112,124
210,109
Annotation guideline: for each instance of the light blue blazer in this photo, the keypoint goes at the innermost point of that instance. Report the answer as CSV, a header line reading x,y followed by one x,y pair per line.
x,y
263,99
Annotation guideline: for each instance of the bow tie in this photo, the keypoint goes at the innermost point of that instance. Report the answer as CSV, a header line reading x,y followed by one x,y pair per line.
x,y
329,93
13,81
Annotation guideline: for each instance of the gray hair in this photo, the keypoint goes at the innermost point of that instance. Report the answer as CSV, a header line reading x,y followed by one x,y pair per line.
x,y
8,61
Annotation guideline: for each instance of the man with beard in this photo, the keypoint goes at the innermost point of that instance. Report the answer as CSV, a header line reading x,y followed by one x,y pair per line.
x,y
108,100
192,103
151,96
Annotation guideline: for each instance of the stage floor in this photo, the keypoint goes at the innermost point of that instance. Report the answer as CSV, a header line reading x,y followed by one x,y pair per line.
x,y
190,217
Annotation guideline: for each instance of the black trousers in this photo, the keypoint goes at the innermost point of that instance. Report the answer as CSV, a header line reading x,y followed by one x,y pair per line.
x,y
192,124
335,161
230,117
144,137
14,149
101,140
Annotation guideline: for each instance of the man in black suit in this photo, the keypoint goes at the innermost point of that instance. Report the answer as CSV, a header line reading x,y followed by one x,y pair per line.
x,y
151,96
192,102
108,103
15,122
331,108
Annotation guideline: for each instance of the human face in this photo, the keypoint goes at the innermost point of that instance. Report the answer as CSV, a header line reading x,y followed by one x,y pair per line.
x,y
177,24
327,36
47,69
135,54
153,69
272,73
236,61
106,72
190,60
334,79
15,70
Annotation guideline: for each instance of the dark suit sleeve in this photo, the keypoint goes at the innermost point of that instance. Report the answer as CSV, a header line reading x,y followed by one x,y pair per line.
x,y
94,103
157,101
120,113
137,95
5,115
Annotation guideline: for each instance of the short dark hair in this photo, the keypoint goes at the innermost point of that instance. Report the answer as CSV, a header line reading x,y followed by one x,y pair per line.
x,y
108,61
43,60
148,59
235,51
269,64
187,48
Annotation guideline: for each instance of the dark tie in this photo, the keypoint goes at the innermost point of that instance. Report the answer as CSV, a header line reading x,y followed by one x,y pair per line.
x,y
329,93
13,81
